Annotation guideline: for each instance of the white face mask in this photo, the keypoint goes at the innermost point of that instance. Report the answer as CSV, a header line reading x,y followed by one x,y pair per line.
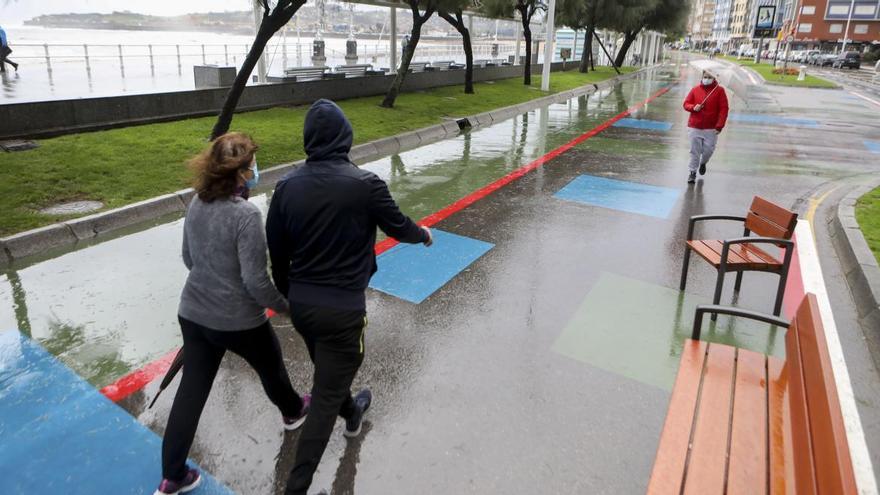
x,y
707,81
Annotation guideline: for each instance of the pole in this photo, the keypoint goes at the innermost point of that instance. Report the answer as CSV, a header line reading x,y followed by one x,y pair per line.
x,y
261,64
392,41
574,45
48,59
759,50
86,50
152,66
548,46
518,42
852,7
602,45
121,61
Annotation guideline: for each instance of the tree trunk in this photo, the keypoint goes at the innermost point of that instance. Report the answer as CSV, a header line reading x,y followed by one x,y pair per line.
x,y
628,39
587,51
527,67
410,51
458,23
224,120
468,61
280,16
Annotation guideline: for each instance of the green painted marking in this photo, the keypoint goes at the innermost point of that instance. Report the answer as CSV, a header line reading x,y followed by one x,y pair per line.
x,y
637,329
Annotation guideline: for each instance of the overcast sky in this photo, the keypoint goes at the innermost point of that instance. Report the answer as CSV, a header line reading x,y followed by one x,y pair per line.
x,y
15,11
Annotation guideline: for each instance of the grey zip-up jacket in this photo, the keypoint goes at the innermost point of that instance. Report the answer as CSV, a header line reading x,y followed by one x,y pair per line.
x,y
224,248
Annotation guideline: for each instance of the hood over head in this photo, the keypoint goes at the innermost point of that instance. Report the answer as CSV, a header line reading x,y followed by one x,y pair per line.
x,y
327,134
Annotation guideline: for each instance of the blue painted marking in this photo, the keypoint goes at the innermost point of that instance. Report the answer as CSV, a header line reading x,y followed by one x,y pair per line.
x,y
873,146
621,195
60,435
753,118
653,125
413,272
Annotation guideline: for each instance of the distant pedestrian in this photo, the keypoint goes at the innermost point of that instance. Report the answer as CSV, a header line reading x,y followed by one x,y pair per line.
x,y
321,230
707,103
5,51
222,307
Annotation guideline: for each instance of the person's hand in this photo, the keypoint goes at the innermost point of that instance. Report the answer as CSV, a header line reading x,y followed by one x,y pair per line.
x,y
430,239
698,107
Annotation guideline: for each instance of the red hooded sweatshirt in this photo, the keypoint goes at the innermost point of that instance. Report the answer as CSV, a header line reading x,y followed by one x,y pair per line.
x,y
713,115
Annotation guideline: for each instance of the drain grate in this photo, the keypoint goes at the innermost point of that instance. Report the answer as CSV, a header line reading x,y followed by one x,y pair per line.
x,y
18,145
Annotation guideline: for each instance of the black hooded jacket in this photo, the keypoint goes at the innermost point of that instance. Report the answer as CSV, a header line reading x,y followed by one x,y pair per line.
x,y
321,226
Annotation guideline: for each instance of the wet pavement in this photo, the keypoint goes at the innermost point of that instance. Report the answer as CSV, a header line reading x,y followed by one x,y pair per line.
x,y
536,351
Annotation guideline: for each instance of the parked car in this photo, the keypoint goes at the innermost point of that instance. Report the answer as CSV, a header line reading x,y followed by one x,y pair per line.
x,y
813,57
826,60
848,60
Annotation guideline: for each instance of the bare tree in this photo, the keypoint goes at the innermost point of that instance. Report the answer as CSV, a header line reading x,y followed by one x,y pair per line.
x,y
526,9
273,20
452,12
429,6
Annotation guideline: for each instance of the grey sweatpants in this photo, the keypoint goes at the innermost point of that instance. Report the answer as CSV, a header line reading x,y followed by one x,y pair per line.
x,y
702,146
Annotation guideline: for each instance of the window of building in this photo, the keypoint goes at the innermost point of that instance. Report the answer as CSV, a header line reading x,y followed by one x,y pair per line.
x,y
836,28
864,10
808,10
805,28
861,29
838,10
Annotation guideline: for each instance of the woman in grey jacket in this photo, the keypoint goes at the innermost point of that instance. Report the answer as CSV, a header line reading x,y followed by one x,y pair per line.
x,y
223,303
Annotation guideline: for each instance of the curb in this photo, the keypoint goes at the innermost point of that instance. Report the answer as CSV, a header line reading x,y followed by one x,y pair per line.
x,y
860,266
40,240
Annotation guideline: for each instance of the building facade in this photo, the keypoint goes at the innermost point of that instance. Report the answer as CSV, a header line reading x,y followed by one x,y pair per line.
x,y
822,23
701,20
721,24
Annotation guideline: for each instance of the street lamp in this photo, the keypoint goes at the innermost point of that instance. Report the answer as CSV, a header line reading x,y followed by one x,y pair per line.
x,y
852,7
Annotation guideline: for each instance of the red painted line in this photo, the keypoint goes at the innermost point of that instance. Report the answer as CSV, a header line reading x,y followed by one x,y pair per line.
x,y
481,193
135,381
138,379
794,286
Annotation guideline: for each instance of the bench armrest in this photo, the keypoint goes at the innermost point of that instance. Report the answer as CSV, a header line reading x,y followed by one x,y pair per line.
x,y
727,310
725,249
700,218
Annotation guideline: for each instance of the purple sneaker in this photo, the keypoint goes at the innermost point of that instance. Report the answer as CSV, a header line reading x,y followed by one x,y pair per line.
x,y
293,422
189,482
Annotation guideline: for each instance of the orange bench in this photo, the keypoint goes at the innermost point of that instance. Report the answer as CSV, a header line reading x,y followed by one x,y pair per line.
x,y
740,422
773,224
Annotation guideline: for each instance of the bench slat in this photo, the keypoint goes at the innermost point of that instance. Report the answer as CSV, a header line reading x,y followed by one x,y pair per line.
x,y
781,457
802,449
740,255
747,471
774,214
673,448
830,450
706,464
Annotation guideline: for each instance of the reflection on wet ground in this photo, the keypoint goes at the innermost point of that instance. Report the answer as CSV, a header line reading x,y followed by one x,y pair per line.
x,y
543,366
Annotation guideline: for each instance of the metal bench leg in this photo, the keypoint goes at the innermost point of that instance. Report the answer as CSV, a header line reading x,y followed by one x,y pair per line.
x,y
739,281
719,285
684,267
780,292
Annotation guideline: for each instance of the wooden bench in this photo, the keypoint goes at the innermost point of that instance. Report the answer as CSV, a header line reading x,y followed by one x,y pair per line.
x,y
446,65
740,422
773,224
417,66
300,74
358,70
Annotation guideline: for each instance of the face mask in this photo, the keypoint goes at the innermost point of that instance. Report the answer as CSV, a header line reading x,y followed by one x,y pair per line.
x,y
253,181
707,81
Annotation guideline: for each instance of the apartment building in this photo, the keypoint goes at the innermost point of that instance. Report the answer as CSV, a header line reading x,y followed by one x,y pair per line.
x,y
741,22
821,23
701,20
721,24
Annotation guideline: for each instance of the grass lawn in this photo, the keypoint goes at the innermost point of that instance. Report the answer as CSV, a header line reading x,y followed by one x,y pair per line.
x,y
868,216
122,166
766,71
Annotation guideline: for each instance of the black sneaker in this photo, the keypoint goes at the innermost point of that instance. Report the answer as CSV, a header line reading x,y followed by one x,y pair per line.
x,y
702,169
362,402
692,177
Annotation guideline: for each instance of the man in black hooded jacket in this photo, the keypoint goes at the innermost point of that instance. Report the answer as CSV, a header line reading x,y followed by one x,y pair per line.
x,y
321,231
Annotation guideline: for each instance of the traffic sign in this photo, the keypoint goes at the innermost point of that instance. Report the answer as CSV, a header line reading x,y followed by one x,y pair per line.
x,y
789,38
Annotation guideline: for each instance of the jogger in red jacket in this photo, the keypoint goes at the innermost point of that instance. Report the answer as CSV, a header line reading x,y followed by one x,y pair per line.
x,y
707,104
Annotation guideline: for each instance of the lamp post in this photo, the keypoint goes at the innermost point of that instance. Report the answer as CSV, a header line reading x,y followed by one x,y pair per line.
x,y
852,7
548,46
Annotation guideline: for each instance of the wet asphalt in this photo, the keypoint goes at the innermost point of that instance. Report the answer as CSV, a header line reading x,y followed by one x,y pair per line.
x,y
543,367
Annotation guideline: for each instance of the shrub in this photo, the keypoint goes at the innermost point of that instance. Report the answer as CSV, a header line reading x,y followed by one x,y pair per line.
x,y
788,72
